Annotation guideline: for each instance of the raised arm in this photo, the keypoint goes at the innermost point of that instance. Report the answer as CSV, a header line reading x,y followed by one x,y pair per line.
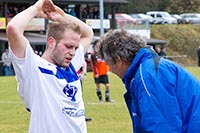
x,y
16,26
55,13
86,32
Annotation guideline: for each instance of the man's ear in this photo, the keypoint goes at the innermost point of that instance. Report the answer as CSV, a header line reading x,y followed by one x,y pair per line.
x,y
123,65
119,61
51,42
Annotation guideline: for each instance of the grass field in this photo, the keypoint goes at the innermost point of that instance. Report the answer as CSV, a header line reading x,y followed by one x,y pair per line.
x,y
106,117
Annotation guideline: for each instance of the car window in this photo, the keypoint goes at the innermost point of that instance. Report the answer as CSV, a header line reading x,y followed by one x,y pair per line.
x,y
159,16
152,15
164,14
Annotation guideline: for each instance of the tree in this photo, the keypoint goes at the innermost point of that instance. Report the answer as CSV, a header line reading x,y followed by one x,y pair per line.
x,y
142,6
183,6
172,6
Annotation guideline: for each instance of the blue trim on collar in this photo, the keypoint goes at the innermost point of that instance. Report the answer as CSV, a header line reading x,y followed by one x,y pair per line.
x,y
68,73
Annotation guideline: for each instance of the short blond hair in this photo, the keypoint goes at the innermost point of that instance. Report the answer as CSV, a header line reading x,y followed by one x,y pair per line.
x,y
56,29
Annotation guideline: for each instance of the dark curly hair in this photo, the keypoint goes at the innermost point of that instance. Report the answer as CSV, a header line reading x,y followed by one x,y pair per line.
x,y
120,43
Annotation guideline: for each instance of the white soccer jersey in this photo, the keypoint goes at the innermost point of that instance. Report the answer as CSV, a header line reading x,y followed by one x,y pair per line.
x,y
52,94
80,57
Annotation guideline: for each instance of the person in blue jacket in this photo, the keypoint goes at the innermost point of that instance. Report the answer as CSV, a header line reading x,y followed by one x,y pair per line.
x,y
161,96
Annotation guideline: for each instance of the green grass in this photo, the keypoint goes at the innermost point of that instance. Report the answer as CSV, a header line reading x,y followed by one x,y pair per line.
x,y
106,117
13,116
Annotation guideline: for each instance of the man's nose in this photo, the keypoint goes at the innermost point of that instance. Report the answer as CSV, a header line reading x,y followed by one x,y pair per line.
x,y
72,52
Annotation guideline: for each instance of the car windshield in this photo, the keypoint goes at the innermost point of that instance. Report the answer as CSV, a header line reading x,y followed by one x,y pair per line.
x,y
134,15
164,14
198,15
176,16
144,16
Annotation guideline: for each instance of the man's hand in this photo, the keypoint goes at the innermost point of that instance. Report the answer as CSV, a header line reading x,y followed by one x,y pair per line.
x,y
52,11
96,76
39,4
48,6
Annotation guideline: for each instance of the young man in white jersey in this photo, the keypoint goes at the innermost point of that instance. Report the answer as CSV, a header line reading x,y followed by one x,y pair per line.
x,y
49,85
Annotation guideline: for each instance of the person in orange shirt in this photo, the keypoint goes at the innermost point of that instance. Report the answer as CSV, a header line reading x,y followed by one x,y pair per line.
x,y
100,73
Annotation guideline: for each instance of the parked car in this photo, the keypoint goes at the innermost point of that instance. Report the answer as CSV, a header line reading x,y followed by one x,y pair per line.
x,y
180,20
123,20
192,18
162,17
142,18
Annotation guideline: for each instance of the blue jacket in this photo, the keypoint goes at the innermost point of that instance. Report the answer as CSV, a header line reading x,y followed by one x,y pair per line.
x,y
162,97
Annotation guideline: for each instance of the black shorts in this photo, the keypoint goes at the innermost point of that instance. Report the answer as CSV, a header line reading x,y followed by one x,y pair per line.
x,y
101,79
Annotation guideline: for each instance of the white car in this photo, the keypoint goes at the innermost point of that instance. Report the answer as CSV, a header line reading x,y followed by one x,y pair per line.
x,y
192,18
142,17
162,17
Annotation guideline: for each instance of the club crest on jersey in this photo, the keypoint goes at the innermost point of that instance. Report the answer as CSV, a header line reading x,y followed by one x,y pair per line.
x,y
70,91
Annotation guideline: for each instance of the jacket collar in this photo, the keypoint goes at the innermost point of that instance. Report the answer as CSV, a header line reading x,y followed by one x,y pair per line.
x,y
142,55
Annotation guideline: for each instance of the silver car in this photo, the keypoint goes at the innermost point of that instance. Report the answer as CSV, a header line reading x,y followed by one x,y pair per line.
x,y
162,17
192,18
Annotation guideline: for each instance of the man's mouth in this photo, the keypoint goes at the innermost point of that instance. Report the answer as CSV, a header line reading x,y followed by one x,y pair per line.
x,y
68,59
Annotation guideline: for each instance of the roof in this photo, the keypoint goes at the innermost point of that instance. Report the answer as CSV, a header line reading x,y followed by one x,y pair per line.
x,y
153,41
92,1
40,39
71,1
34,38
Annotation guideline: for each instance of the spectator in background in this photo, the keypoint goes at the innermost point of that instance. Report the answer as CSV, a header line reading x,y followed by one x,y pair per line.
x,y
96,13
73,12
160,51
161,96
84,13
7,63
16,10
198,55
100,73
10,12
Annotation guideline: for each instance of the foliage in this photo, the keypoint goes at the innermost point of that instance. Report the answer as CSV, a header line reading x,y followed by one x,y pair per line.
x,y
182,6
183,39
142,6
172,6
